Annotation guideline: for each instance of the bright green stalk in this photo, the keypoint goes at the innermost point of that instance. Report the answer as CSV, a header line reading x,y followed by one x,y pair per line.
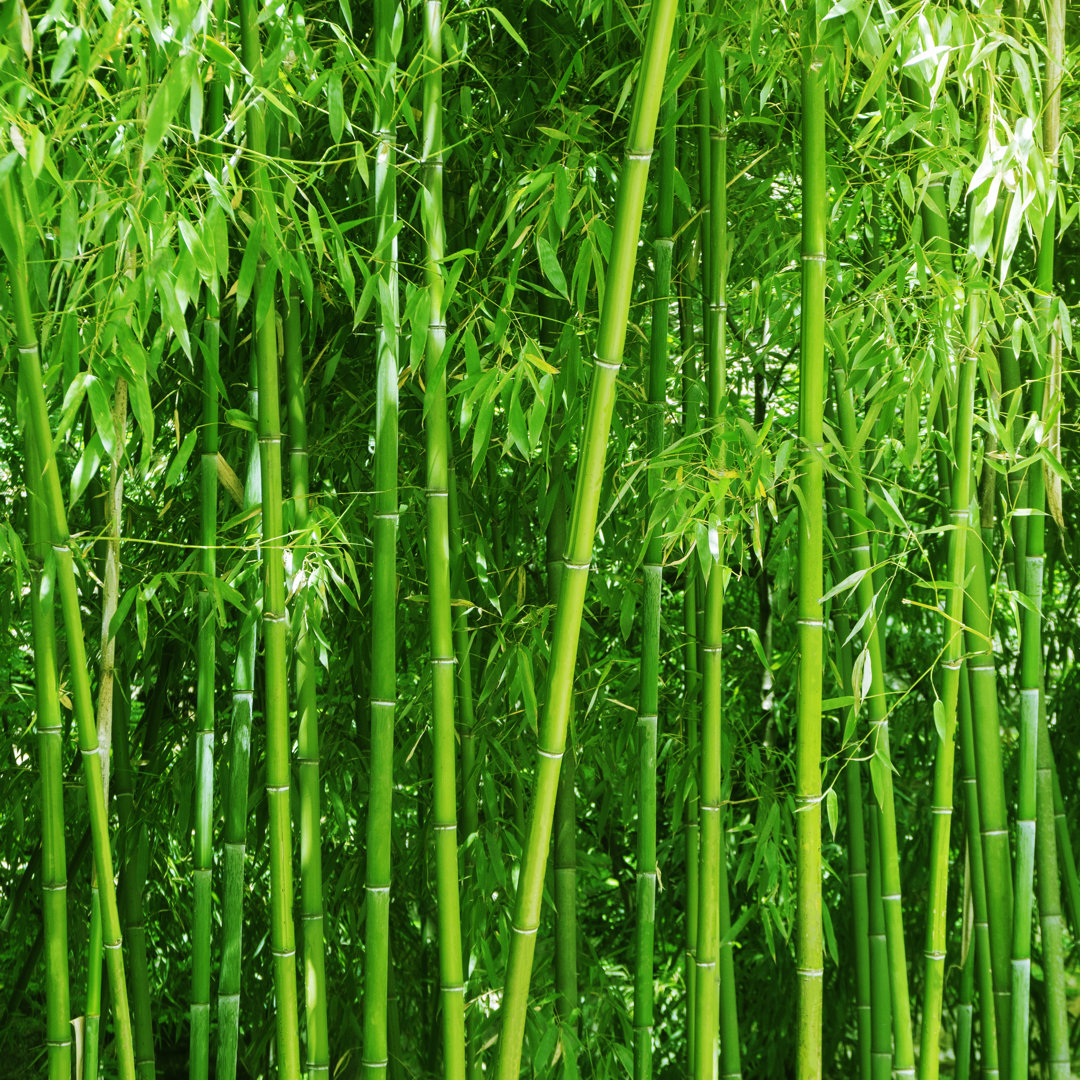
x,y
384,557
903,1050
50,747
610,342
92,1007
962,415
236,803
203,854
988,1052
990,786
452,977
311,891
566,932
815,214
40,433
649,690
1031,640
276,702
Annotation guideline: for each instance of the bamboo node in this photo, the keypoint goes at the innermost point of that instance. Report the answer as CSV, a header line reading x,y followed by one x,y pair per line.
x,y
524,932
393,516
386,703
941,810
552,754
443,660
647,716
810,973
377,888
813,257
452,827
457,988
575,566
993,832
931,954
437,494
811,622
639,156
607,364
28,350
272,788
282,954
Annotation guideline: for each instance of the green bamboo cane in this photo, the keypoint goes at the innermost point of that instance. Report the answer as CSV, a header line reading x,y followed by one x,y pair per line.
x,y
856,829
808,918
610,341
311,890
1058,1050
710,785
565,823
384,556
234,839
276,702
962,416
50,748
203,854
205,718
988,1048
990,787
132,857
653,568
40,433
451,975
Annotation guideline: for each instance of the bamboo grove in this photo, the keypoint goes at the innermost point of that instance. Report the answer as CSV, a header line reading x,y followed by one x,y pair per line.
x,y
539,539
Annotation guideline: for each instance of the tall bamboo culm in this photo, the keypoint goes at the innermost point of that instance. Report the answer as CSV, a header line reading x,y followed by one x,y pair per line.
x,y
440,618
50,751
808,924
311,898
234,839
384,560
275,701
1046,853
39,431
649,692
610,342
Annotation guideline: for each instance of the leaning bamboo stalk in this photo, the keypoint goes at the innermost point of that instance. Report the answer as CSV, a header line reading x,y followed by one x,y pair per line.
x,y
384,556
50,746
653,568
276,702
440,618
311,889
610,342
808,919
30,375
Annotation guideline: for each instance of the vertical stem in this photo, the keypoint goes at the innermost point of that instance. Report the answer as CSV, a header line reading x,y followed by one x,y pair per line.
x,y
808,924
649,692
311,890
384,557
276,702
50,748
451,975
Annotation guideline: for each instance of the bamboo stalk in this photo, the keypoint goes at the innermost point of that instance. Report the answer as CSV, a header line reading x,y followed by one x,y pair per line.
x,y
384,557
50,749
276,701
311,888
808,925
653,568
612,335
451,975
